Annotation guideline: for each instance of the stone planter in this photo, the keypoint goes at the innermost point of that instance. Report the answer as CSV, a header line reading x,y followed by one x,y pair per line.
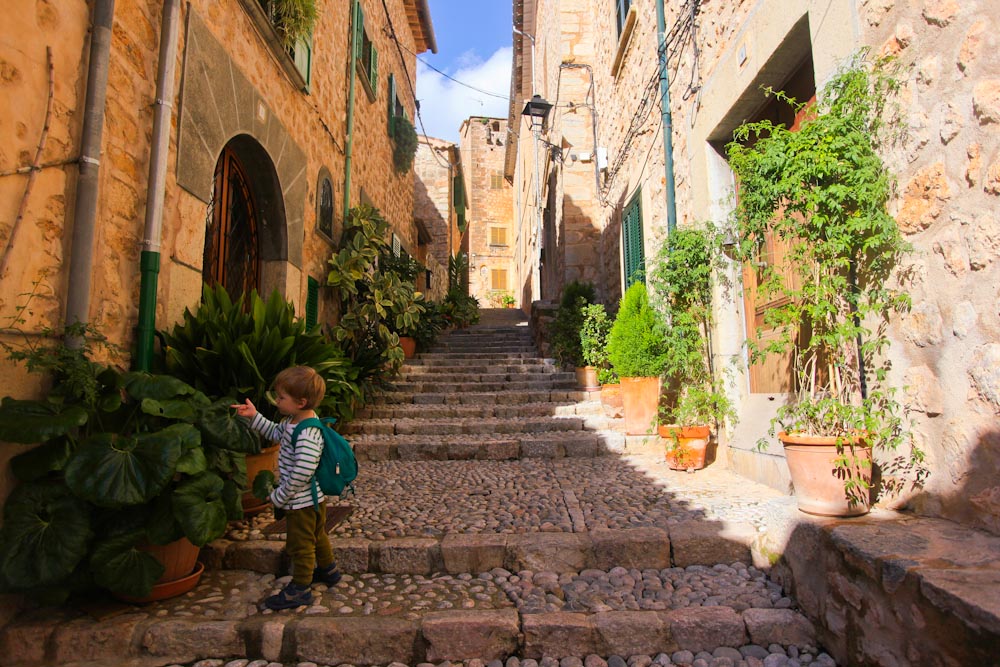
x,y
820,486
641,397
586,378
686,446
611,397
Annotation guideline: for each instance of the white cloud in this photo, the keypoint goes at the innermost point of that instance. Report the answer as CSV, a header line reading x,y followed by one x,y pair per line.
x,y
444,104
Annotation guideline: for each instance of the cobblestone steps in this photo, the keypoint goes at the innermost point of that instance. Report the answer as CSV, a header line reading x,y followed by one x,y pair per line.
x,y
547,409
549,445
507,397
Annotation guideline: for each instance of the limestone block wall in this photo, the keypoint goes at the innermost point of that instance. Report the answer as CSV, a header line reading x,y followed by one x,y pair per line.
x,y
433,205
490,204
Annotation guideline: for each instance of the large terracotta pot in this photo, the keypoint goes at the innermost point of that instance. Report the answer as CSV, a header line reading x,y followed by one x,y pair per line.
x,y
182,573
641,397
409,346
820,486
586,378
267,459
611,397
686,446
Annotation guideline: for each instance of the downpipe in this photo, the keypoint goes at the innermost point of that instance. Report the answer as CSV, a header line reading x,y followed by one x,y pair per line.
x,y
666,118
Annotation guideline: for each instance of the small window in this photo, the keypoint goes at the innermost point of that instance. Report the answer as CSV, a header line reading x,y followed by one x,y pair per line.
x,y
632,244
366,54
621,13
498,279
324,207
397,247
496,180
498,235
396,108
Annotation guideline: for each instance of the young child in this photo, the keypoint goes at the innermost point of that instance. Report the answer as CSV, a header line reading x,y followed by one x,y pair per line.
x,y
298,390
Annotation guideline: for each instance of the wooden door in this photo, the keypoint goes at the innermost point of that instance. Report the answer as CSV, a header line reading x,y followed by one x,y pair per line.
x,y
774,373
232,249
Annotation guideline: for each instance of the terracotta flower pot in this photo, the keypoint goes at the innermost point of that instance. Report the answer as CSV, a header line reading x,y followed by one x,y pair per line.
x,y
267,459
182,573
641,397
686,445
611,397
586,378
409,346
820,486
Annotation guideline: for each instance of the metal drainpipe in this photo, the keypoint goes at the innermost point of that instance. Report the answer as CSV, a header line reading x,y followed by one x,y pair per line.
x,y
668,124
352,75
149,264
85,207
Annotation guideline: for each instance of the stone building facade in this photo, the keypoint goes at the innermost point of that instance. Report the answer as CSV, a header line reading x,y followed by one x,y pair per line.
x,y
437,170
490,213
946,351
258,142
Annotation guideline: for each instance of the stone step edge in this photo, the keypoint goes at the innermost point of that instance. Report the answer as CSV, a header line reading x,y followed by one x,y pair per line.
x,y
436,636
498,450
679,545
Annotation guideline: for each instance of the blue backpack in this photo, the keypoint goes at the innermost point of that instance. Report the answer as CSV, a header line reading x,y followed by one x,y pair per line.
x,y
338,466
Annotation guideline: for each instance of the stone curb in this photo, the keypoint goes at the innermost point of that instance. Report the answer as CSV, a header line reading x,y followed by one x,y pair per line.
x,y
588,445
379,640
685,544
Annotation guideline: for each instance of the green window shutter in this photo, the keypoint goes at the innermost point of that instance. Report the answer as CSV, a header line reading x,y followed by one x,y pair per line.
x,y
303,58
392,104
373,75
632,241
312,302
359,31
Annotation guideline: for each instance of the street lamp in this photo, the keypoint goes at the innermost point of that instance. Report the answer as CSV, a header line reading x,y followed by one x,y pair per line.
x,y
536,110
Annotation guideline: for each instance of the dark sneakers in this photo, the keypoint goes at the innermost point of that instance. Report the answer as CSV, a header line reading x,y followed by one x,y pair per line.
x,y
290,597
326,575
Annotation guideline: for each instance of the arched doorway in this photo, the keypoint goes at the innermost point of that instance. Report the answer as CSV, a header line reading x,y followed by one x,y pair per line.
x,y
232,246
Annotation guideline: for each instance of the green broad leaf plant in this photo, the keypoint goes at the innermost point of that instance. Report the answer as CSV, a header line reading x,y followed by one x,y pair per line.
x,y
823,190
682,279
128,459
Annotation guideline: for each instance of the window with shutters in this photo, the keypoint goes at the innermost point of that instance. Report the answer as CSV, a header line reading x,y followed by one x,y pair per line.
x,y
396,108
312,302
632,241
498,235
498,279
621,13
295,59
366,54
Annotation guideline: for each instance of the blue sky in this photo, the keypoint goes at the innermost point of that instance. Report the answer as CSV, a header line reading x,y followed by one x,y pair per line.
x,y
474,46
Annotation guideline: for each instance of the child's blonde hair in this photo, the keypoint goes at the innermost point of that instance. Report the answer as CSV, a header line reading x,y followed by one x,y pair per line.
x,y
301,382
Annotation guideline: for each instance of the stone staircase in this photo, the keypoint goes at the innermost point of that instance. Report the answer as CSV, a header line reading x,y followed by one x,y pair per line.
x,y
493,521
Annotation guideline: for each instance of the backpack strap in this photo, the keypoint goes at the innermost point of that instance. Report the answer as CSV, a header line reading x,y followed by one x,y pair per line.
x,y
311,422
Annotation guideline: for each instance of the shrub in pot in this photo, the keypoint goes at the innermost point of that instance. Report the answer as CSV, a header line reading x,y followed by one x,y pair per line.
x,y
564,332
129,460
594,345
638,354
823,190
693,400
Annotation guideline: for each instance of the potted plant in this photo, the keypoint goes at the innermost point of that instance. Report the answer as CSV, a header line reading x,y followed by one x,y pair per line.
x,y
593,344
564,333
236,347
126,462
822,190
693,401
508,300
638,354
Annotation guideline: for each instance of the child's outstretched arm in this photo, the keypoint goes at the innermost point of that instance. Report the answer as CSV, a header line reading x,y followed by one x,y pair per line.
x,y
258,422
307,451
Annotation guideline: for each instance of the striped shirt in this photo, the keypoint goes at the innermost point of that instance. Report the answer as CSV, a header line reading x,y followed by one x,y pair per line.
x,y
297,462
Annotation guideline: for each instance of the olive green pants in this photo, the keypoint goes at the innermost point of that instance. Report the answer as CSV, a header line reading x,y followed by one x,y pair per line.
x,y
307,543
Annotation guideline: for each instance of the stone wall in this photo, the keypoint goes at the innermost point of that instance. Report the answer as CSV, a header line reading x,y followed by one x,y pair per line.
x,y
490,205
433,205
312,127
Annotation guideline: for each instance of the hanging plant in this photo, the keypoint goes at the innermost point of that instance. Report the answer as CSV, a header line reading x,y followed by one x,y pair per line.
x,y
293,19
404,137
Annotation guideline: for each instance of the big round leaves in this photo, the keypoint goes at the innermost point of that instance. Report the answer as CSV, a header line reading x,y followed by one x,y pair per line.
x,y
112,470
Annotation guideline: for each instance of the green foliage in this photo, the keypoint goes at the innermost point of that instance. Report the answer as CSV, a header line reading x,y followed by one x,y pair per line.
x,y
292,19
458,272
432,323
636,346
823,190
404,139
594,342
564,332
136,459
460,309
377,297
237,347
